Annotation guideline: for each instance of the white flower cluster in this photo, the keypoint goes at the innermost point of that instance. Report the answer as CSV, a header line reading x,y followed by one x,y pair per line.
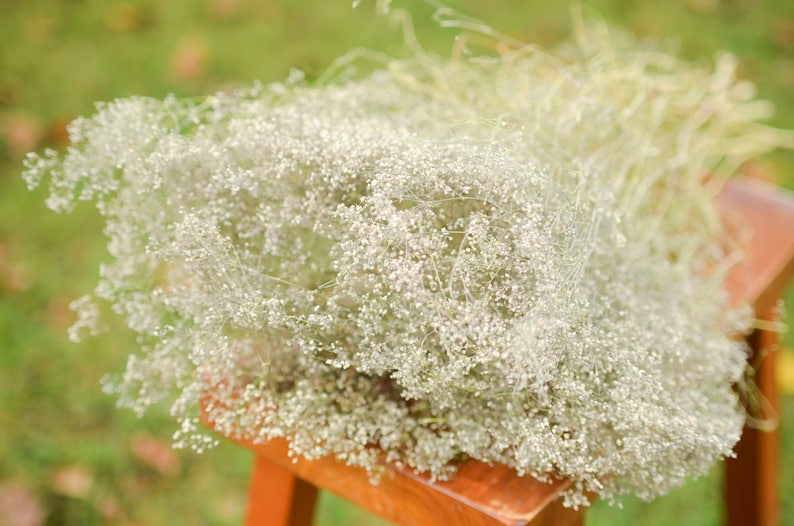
x,y
513,258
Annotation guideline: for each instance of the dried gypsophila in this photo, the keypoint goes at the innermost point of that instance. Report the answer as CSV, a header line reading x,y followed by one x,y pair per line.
x,y
510,259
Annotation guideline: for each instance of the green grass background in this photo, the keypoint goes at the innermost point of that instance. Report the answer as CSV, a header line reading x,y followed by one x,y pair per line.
x,y
59,56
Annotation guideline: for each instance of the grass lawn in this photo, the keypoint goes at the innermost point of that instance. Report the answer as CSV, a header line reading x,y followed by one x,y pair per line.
x,y
67,455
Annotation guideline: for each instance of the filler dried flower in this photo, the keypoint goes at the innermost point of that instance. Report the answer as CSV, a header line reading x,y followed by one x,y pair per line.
x,y
513,258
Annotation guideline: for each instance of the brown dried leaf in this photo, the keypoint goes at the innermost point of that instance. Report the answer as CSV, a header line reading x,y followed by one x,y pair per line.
x,y
224,9
14,278
155,454
9,91
189,61
123,17
22,132
783,33
56,133
59,315
705,6
74,481
109,508
20,506
229,507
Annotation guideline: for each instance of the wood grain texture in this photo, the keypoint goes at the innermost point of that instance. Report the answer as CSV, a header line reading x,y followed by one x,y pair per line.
x,y
761,218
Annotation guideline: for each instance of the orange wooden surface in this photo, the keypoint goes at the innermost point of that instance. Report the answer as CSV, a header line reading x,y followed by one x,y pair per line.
x,y
276,497
751,479
764,216
480,495
762,219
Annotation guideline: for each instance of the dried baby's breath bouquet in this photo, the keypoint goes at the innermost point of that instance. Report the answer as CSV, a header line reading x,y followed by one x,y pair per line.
x,y
510,256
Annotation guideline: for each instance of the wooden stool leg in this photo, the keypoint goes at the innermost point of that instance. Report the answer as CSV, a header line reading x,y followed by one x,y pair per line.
x,y
277,497
556,515
751,478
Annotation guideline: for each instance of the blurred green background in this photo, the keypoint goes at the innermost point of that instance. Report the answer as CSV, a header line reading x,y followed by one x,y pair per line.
x,y
67,455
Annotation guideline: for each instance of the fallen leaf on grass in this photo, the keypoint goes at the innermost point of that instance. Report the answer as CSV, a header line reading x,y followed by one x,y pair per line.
x,y
705,6
74,481
229,507
123,17
223,9
189,61
9,91
22,132
155,454
59,315
20,506
109,508
13,277
783,33
56,134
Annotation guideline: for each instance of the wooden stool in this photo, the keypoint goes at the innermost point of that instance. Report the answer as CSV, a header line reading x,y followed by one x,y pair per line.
x,y
767,213
283,492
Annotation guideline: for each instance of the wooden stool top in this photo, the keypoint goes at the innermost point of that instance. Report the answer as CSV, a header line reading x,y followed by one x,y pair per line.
x,y
762,217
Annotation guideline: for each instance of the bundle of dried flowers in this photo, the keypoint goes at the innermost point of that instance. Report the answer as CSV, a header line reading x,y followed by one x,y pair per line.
x,y
512,258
